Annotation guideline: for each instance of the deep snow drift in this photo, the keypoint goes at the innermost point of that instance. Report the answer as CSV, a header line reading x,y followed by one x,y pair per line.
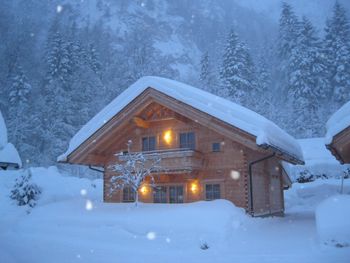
x,y
71,224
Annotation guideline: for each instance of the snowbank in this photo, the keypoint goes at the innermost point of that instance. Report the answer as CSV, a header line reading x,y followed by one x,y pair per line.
x,y
57,187
9,155
266,132
307,196
333,220
318,160
339,121
71,224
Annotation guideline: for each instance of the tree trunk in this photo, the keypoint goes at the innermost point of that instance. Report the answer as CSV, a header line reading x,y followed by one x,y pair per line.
x,y
136,198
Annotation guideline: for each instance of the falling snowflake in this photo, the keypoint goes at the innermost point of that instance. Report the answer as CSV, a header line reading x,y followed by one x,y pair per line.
x,y
168,240
235,175
83,192
88,205
59,9
143,4
151,235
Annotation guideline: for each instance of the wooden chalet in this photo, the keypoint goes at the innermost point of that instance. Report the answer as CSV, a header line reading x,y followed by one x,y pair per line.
x,y
338,134
210,148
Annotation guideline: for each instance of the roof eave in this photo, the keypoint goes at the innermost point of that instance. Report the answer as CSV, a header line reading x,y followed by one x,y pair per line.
x,y
287,156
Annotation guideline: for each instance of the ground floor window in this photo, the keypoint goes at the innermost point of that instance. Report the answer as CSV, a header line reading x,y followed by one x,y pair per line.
x,y
176,194
128,194
212,191
160,194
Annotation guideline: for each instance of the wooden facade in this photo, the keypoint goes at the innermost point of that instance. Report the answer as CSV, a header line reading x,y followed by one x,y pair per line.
x,y
340,146
215,165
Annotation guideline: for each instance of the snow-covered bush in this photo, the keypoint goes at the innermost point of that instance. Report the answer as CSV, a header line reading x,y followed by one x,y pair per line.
x,y
25,192
332,219
305,176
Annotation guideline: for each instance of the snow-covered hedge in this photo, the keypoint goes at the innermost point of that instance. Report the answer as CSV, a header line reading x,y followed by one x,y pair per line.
x,y
333,220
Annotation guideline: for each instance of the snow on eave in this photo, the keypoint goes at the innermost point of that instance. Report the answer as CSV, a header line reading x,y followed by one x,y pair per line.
x,y
338,122
265,131
9,155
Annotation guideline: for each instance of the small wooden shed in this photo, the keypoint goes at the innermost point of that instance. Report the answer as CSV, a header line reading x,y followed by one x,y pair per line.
x,y
210,147
338,134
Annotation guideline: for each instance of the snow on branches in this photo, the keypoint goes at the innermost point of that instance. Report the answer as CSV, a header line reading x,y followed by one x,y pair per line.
x,y
132,170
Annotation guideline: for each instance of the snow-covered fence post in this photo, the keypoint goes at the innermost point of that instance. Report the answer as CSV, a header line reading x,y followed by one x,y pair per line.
x,y
132,169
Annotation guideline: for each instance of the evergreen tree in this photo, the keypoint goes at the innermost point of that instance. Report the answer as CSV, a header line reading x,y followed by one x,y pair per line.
x,y
287,44
308,85
18,105
237,71
337,53
206,77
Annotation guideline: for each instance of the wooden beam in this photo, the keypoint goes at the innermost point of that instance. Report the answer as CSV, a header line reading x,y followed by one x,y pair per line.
x,y
141,122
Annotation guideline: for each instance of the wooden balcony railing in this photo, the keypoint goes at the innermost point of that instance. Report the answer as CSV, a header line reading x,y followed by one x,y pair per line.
x,y
176,160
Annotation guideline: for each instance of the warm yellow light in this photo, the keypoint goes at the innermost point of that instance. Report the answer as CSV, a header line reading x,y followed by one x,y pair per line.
x,y
194,187
167,136
143,189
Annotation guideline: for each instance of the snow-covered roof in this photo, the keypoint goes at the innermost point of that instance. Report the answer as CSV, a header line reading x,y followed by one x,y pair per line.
x,y
266,132
8,152
9,155
339,121
3,132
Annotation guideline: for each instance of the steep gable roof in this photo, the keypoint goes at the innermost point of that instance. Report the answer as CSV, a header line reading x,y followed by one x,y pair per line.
x,y
266,132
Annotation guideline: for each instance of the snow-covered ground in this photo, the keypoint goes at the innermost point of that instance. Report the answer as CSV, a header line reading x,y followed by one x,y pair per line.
x,y
318,160
71,224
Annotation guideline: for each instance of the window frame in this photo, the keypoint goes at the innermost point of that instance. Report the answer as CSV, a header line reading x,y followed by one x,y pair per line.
x,y
159,196
148,144
176,199
212,194
215,150
187,140
129,195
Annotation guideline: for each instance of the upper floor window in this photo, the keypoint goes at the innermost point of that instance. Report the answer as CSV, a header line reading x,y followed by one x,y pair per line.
x,y
149,143
187,140
216,147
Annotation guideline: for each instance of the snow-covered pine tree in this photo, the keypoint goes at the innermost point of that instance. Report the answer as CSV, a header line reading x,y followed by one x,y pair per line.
x,y
263,97
22,120
204,76
337,53
288,32
208,79
56,113
25,192
93,59
237,71
18,104
287,43
307,82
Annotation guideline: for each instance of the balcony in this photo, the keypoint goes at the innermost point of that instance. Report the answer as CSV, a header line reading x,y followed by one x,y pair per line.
x,y
176,160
